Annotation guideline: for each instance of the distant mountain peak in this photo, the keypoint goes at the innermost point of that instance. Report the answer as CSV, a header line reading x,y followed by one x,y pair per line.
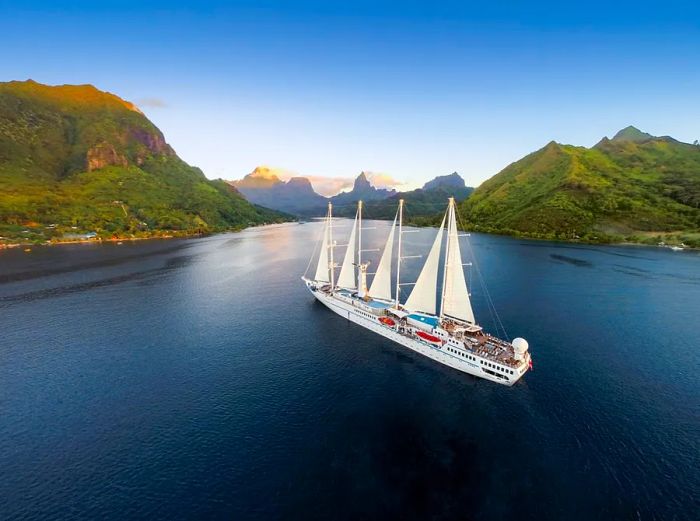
x,y
453,180
264,172
260,177
299,181
362,184
631,133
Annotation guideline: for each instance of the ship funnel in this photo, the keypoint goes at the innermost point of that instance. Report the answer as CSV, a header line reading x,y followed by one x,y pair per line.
x,y
520,347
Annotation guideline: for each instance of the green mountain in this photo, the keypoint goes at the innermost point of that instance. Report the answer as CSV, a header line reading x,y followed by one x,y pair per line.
x,y
74,159
633,187
420,204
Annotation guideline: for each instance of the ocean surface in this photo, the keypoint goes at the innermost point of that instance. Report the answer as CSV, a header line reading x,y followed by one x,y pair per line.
x,y
198,379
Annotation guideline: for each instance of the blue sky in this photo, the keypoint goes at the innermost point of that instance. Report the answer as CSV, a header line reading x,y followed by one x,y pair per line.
x,y
409,89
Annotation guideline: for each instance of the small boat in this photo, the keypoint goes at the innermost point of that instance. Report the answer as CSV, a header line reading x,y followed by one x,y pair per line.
x,y
429,338
387,321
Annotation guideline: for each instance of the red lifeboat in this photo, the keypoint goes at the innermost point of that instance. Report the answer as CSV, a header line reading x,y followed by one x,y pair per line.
x,y
387,321
429,338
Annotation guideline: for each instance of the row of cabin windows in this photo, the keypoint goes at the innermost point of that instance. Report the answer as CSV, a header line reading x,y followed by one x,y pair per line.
x,y
463,355
494,366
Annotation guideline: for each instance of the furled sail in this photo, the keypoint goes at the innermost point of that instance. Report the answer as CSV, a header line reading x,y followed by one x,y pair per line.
x,y
322,269
424,293
347,279
381,284
455,299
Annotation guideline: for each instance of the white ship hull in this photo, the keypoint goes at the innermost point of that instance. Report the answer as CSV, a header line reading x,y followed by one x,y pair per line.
x,y
459,359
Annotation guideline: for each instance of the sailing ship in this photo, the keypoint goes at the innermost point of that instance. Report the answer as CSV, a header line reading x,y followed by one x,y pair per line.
x,y
449,334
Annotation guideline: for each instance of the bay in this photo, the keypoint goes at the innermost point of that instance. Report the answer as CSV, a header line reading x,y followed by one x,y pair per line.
x,y
191,379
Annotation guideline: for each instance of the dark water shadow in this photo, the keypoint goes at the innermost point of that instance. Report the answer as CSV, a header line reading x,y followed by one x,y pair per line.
x,y
102,263
31,296
603,249
571,260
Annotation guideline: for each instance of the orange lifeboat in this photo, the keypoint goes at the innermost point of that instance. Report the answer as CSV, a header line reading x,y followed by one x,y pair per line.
x,y
387,321
429,338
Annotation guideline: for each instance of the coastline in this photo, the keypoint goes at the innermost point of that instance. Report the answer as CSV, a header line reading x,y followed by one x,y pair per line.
x,y
668,239
28,245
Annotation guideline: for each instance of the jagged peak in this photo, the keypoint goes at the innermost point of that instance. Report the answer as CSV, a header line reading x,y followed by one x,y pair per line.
x,y
361,182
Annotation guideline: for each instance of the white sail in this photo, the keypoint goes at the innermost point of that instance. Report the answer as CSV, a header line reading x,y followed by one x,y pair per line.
x,y
346,279
455,299
381,284
424,293
322,271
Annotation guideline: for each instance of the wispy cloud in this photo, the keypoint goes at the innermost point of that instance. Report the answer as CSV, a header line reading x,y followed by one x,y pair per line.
x,y
330,185
381,180
151,103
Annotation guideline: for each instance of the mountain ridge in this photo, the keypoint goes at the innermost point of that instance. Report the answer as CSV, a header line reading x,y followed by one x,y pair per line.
x,y
74,159
635,187
296,196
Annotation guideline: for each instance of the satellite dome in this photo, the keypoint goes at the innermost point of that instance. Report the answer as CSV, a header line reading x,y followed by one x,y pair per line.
x,y
520,344
520,347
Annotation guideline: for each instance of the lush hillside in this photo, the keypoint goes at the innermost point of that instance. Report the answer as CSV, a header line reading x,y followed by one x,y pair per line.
x,y
420,204
635,187
295,196
74,159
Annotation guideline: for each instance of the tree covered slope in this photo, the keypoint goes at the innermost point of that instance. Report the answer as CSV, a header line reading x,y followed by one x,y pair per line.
x,y
74,159
635,187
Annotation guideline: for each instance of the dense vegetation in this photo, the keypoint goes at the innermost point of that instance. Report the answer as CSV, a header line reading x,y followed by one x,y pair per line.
x,y
74,160
635,187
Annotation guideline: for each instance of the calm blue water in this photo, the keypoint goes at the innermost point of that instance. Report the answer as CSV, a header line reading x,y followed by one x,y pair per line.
x,y
198,379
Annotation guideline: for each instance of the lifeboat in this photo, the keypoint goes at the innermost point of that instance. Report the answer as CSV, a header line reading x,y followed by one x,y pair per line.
x,y
429,338
387,321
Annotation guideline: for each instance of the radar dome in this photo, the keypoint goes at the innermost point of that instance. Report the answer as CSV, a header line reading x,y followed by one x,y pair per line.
x,y
520,347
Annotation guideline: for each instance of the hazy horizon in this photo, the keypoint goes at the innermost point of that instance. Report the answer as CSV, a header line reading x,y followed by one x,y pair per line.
x,y
410,93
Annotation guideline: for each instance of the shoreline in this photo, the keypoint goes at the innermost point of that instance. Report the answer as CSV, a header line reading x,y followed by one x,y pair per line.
x,y
27,245
118,240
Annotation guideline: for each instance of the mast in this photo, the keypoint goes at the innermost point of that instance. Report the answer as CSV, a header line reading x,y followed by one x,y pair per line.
x,y
359,233
398,258
330,243
447,256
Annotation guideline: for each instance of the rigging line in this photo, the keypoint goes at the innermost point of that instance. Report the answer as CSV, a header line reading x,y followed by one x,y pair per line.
x,y
489,300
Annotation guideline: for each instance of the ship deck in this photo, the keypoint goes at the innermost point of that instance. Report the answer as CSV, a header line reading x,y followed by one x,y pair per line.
x,y
478,343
